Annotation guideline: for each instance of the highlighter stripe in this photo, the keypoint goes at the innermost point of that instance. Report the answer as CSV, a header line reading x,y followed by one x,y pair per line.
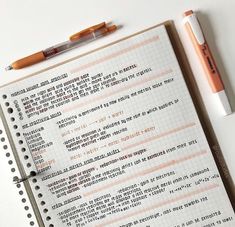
x,y
159,136
147,171
116,54
160,204
114,92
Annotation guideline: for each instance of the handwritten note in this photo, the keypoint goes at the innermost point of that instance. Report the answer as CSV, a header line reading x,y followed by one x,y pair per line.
x,y
116,140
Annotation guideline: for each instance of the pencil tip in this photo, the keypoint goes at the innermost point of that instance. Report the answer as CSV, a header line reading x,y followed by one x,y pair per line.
x,y
9,68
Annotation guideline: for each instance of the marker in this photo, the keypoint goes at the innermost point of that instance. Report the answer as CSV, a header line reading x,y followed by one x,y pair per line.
x,y
75,40
195,33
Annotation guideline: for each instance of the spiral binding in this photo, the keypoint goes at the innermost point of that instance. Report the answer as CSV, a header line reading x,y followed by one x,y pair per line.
x,y
28,165
14,169
19,180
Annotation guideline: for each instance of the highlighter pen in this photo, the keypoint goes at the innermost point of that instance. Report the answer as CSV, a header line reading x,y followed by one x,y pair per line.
x,y
196,35
75,40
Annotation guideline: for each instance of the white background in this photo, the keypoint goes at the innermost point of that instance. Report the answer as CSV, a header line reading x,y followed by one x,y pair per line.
x,y
28,26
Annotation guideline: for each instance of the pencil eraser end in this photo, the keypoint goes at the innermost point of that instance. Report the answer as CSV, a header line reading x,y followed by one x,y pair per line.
x,y
223,102
112,28
187,13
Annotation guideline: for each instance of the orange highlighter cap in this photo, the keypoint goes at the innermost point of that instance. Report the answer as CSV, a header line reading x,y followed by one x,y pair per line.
x,y
196,35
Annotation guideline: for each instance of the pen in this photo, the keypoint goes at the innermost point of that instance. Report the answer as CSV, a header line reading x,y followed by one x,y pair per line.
x,y
75,40
195,32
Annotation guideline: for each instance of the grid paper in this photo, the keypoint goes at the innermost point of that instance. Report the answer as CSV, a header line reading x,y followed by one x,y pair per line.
x,y
171,126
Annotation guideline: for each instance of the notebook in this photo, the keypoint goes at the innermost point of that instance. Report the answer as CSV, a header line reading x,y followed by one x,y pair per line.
x,y
115,138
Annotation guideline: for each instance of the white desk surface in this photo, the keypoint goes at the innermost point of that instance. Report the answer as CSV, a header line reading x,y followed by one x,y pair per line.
x,y
28,26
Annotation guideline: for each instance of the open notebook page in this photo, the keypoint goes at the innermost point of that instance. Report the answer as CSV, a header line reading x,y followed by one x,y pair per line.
x,y
116,140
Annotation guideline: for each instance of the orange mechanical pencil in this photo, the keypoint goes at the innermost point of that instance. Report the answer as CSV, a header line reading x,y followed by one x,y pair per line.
x,y
75,40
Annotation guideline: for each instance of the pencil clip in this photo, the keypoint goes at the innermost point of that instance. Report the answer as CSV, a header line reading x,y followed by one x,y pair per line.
x,y
87,31
20,180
